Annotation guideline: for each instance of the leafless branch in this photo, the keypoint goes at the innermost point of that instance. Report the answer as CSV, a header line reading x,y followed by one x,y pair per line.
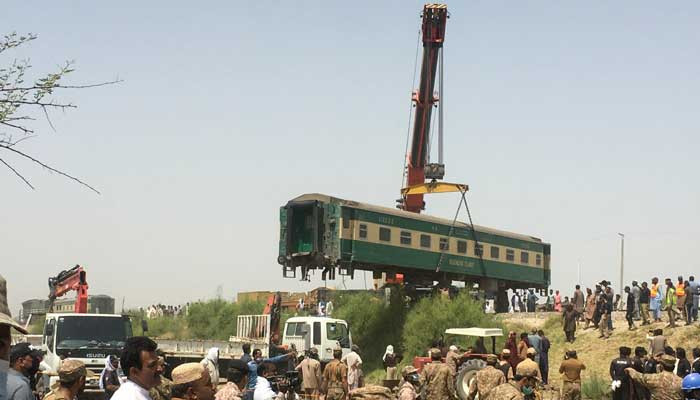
x,y
39,103
20,127
38,87
20,140
17,173
48,119
27,156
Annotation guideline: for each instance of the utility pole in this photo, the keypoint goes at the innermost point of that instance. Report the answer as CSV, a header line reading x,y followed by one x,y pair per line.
x,y
622,261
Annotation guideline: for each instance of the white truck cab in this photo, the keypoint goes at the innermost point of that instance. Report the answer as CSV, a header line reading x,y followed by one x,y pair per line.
x,y
323,333
89,338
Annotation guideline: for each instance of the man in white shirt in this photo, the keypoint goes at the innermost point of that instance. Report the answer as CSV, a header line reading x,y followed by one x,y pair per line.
x,y
139,362
263,390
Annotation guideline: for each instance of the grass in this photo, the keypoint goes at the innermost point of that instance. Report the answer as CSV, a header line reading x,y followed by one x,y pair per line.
x,y
595,388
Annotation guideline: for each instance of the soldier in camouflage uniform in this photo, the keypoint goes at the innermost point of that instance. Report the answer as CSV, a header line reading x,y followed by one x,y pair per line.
x,y
437,379
662,386
486,379
528,367
335,377
71,378
164,390
515,389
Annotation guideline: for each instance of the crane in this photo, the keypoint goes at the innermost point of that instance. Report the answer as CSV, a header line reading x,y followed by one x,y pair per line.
x,y
434,18
66,281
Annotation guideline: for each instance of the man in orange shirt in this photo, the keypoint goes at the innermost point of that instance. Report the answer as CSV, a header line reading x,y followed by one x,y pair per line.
x,y
680,297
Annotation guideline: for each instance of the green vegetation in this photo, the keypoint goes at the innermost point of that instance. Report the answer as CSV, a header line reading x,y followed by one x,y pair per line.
x,y
212,319
374,324
430,317
595,388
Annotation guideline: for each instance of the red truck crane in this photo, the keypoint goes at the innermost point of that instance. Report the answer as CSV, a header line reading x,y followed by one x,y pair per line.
x,y
418,169
66,281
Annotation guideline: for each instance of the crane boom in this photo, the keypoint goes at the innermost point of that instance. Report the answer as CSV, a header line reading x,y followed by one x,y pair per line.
x,y
433,27
66,281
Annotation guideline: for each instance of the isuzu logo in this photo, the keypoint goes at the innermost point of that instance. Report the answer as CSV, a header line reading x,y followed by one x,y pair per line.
x,y
95,355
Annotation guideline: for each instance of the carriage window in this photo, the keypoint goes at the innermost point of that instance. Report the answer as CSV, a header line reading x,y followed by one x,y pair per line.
x,y
510,255
461,247
444,244
495,252
425,241
524,257
405,238
363,231
479,250
538,259
385,234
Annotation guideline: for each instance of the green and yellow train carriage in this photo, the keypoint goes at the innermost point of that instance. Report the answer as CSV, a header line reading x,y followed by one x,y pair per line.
x,y
323,232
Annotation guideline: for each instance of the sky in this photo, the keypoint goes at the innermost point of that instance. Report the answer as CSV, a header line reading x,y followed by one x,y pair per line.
x,y
570,122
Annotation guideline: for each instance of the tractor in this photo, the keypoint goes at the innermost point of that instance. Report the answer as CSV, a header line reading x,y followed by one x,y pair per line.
x,y
470,362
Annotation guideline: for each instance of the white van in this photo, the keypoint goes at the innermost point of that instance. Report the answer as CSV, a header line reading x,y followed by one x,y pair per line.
x,y
320,332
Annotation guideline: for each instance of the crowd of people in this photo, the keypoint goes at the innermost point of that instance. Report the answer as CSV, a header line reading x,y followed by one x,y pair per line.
x,y
162,310
646,303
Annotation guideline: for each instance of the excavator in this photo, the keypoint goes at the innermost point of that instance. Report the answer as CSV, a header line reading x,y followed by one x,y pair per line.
x,y
73,279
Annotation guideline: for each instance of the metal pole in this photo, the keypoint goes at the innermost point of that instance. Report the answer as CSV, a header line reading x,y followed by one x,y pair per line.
x,y
442,106
622,261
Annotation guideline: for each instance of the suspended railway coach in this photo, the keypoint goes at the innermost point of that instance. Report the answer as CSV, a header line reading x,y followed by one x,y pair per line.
x,y
334,235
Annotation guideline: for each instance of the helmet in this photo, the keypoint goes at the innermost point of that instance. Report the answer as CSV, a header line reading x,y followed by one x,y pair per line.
x,y
691,381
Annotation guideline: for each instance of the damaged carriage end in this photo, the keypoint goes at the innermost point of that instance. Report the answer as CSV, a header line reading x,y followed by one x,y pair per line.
x,y
308,238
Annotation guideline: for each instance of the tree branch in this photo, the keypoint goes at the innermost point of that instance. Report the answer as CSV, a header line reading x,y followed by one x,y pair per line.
x,y
27,156
23,129
38,87
17,173
39,103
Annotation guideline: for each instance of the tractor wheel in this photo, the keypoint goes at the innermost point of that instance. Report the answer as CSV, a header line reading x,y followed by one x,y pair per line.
x,y
465,375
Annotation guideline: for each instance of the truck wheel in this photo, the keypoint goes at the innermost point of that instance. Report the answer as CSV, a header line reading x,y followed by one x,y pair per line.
x,y
467,373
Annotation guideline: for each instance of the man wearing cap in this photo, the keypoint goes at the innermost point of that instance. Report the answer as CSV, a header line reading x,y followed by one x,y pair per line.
x,y
310,369
191,381
18,387
504,364
571,369
71,380
411,379
620,380
452,359
486,379
528,367
237,377
6,324
335,377
662,386
143,371
437,378
515,389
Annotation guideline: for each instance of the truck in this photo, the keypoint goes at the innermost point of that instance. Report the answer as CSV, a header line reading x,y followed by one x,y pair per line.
x,y
300,334
89,338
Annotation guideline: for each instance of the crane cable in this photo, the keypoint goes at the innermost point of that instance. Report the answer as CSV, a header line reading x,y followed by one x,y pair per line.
x,y
410,112
471,224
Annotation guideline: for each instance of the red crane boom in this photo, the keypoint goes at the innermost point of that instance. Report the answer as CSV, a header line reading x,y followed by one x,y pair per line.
x,y
66,281
433,27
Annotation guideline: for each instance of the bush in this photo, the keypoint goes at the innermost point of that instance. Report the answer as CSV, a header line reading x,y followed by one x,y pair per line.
x,y
374,324
595,388
212,319
428,319
216,319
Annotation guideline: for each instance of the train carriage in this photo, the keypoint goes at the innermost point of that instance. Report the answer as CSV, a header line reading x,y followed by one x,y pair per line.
x,y
332,234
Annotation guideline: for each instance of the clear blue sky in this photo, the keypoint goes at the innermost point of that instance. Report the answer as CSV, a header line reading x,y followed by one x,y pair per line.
x,y
570,122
